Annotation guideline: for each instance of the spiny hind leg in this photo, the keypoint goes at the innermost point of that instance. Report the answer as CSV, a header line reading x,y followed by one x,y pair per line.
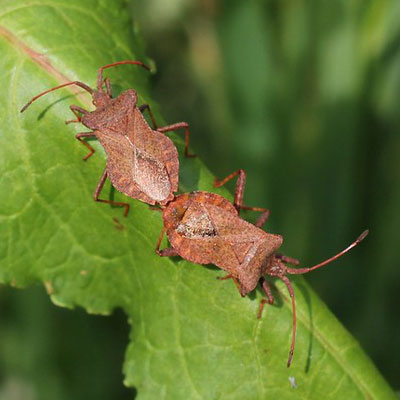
x,y
239,194
174,127
79,137
145,107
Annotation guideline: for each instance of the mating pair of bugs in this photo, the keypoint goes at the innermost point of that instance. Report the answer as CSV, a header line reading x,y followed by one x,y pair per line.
x,y
202,227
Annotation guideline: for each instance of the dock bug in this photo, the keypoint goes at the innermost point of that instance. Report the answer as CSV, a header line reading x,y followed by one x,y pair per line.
x,y
205,228
142,162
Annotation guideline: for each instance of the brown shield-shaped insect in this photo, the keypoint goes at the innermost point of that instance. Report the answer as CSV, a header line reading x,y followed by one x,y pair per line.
x,y
205,228
141,162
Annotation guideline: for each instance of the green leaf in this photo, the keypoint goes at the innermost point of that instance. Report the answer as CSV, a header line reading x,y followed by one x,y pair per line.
x,y
192,336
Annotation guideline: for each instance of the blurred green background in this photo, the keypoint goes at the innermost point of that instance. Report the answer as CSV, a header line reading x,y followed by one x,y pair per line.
x,y
303,95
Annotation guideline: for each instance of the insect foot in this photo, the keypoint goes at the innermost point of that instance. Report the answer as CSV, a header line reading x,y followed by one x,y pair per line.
x,y
142,162
205,228
239,195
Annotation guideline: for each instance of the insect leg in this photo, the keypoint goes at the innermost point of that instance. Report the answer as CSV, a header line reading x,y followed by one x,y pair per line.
x,y
99,188
239,189
155,208
144,107
77,111
230,276
224,278
174,127
169,251
239,194
267,290
270,298
108,86
287,260
262,219
83,135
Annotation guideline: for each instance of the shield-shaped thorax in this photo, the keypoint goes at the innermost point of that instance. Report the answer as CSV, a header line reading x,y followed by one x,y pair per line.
x,y
113,116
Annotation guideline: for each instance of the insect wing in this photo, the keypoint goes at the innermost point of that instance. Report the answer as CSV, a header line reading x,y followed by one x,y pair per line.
x,y
155,160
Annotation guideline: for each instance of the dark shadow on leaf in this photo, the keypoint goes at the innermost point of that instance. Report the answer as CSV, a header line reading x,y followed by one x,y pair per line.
x,y
174,259
189,172
211,267
252,294
44,112
111,195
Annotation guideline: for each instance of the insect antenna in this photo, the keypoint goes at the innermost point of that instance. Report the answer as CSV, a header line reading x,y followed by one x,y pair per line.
x,y
329,260
286,280
80,84
291,293
101,69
